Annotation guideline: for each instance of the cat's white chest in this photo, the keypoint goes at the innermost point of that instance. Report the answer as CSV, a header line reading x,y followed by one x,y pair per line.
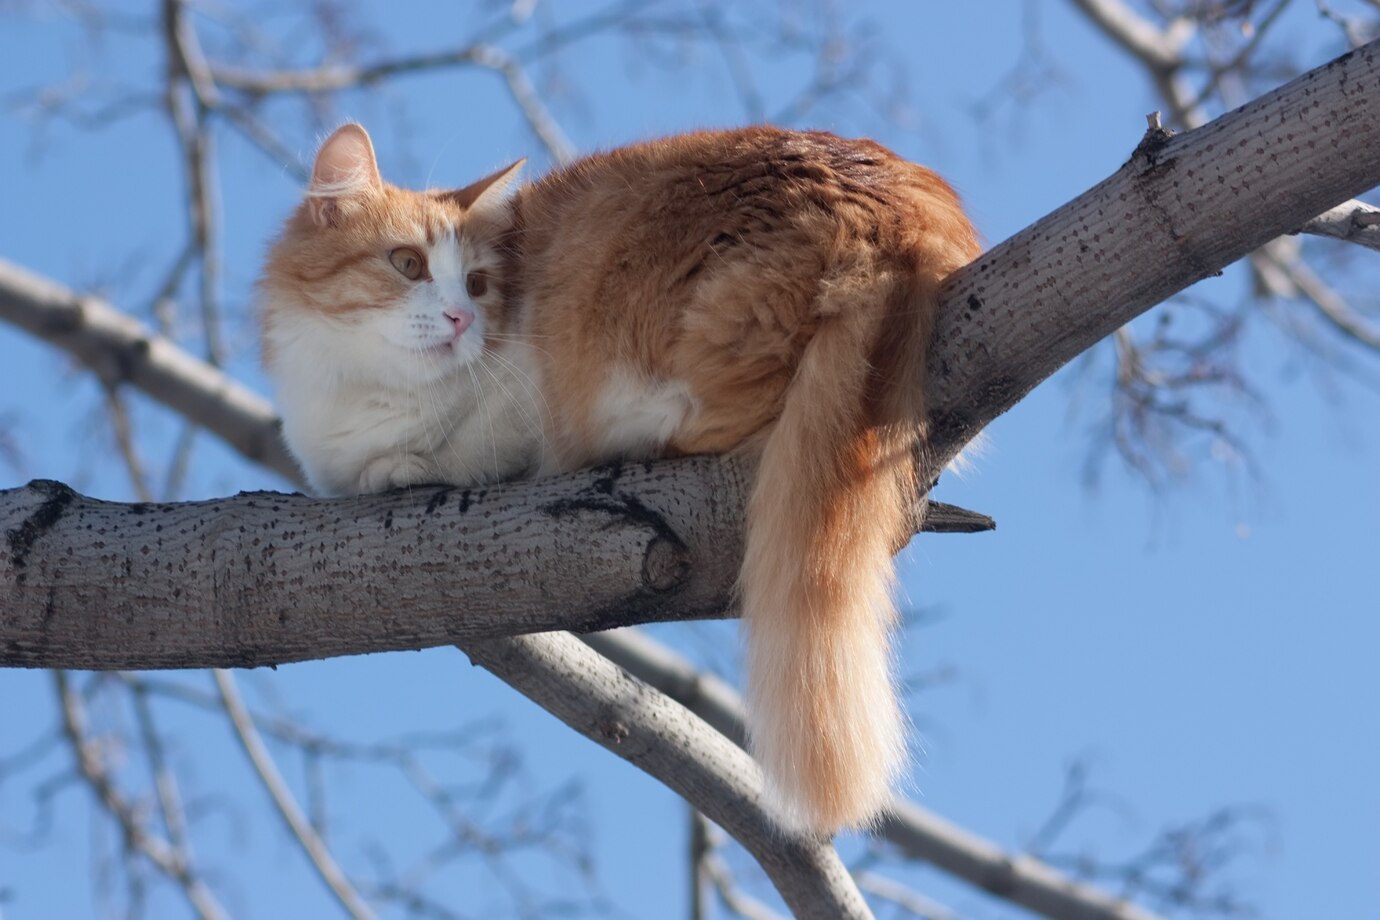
x,y
482,423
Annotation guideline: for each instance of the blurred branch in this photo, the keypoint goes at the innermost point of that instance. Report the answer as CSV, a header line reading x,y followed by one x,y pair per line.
x,y
190,93
912,902
1287,275
1352,221
119,349
1159,49
543,823
310,841
1179,871
172,861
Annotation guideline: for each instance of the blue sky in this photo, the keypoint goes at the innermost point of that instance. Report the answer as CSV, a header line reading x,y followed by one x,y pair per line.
x,y
1208,645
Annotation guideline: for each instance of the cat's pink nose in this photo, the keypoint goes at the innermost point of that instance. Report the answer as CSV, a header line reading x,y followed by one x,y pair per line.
x,y
460,319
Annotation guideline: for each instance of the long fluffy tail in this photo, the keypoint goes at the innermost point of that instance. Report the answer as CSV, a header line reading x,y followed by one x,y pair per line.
x,y
832,502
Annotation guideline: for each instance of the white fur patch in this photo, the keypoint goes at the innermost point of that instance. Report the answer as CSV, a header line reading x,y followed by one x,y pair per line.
x,y
635,417
362,415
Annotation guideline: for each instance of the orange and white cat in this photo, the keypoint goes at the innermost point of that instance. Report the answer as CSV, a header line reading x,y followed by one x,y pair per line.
x,y
755,290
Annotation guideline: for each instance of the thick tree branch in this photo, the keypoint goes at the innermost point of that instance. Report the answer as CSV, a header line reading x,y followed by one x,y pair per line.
x,y
266,578
662,540
1181,209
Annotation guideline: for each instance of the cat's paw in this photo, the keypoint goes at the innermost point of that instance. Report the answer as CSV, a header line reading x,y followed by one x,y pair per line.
x,y
395,471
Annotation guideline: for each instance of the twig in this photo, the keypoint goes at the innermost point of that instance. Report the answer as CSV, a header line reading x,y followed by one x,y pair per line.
x,y
124,441
1352,221
1286,275
734,899
312,845
909,900
167,859
698,851
190,93
164,783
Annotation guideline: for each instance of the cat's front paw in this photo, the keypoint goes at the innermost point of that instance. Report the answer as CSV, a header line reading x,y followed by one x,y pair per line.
x,y
395,471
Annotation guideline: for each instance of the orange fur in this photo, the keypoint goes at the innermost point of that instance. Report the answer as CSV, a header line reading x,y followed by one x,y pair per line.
x,y
754,290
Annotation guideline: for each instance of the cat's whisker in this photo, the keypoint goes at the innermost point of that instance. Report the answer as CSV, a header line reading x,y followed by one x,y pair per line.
x,y
517,404
520,339
540,426
431,382
488,416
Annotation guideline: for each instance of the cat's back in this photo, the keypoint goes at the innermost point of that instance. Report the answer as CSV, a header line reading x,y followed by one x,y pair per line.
x,y
652,225
737,183
698,264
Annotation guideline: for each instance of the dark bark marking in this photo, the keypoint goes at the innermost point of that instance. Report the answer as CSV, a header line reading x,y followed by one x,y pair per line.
x,y
21,539
438,499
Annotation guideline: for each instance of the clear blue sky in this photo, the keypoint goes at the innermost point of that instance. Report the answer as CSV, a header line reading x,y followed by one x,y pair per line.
x,y
1210,645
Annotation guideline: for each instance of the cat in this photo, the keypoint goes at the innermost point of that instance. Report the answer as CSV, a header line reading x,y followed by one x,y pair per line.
x,y
758,290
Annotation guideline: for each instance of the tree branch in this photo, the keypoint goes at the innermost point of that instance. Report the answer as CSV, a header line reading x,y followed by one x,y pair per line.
x,y
596,697
120,349
1159,50
662,540
310,841
138,838
1181,209
1352,221
916,831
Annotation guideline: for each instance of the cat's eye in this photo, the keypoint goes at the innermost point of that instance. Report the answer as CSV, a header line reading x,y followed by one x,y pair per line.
x,y
476,284
408,262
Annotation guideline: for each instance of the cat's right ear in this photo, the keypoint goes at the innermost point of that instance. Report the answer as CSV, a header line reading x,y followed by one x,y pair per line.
x,y
489,194
345,168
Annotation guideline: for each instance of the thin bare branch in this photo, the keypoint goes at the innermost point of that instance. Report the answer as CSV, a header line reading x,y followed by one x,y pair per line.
x,y
735,900
315,848
120,423
1160,50
119,349
190,93
1295,276
167,859
606,704
907,899
1352,221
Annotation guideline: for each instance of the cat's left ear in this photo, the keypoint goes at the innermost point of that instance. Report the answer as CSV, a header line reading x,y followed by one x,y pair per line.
x,y
345,168
490,193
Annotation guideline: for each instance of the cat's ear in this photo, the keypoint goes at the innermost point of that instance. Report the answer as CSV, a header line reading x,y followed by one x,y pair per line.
x,y
489,193
345,168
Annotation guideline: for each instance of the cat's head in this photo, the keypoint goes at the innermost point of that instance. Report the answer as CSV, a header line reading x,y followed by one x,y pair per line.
x,y
386,284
